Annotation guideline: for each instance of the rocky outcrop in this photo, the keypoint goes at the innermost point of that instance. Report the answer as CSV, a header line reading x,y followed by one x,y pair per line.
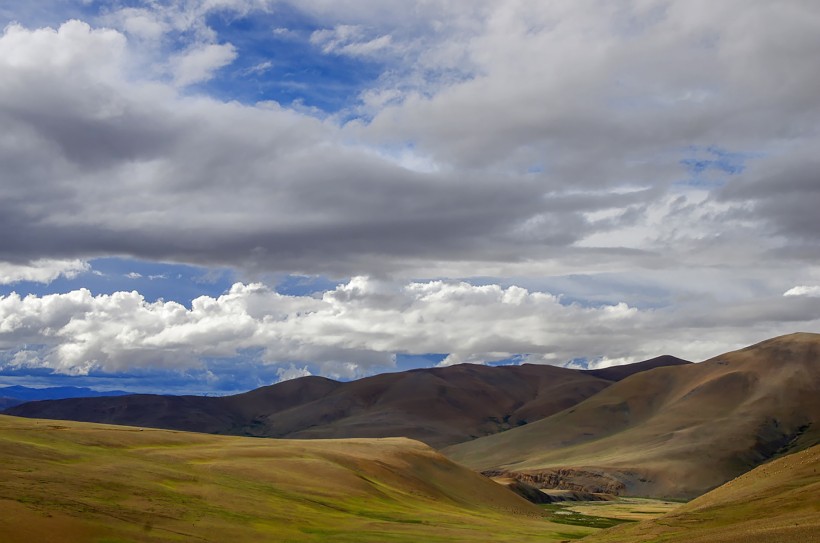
x,y
573,479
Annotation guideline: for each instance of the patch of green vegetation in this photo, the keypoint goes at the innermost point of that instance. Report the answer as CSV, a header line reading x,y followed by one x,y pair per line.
x,y
560,514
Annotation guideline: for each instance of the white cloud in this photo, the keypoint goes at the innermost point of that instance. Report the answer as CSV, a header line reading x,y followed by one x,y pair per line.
x,y
360,326
349,40
41,271
199,64
812,291
139,22
292,372
133,275
156,20
259,69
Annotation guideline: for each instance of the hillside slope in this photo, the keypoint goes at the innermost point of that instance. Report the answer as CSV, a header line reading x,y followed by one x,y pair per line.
x,y
777,502
80,482
619,373
674,431
439,406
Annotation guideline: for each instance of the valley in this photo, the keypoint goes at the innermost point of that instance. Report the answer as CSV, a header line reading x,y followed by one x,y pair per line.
x,y
666,450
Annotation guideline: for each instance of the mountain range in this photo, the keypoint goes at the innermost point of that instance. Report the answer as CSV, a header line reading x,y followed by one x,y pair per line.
x,y
662,428
439,406
739,432
16,394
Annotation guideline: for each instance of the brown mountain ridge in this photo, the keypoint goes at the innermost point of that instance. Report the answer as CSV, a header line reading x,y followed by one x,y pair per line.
x,y
439,406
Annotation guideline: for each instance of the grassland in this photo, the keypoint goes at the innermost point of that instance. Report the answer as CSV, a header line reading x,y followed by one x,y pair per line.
x,y
625,509
778,502
67,481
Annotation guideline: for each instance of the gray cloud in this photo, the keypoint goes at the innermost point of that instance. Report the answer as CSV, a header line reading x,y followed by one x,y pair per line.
x,y
536,141
115,162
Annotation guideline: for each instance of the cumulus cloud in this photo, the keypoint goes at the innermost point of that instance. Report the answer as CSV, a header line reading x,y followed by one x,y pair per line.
x,y
361,325
292,372
41,271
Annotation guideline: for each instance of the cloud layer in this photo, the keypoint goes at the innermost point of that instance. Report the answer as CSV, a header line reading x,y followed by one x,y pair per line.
x,y
568,134
655,160
360,326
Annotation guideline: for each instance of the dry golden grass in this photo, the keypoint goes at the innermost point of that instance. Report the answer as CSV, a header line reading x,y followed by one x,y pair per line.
x,y
82,482
777,502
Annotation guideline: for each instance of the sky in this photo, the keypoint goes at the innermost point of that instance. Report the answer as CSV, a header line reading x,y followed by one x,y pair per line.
x,y
207,196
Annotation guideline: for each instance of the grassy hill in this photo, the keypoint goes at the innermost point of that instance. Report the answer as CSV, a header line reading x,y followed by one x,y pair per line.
x,y
80,482
778,502
675,431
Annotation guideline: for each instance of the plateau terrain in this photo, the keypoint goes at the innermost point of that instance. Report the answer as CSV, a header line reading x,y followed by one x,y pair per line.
x,y
737,434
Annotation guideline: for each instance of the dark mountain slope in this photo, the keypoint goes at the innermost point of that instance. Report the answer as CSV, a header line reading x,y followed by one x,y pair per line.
x,y
618,373
15,395
440,406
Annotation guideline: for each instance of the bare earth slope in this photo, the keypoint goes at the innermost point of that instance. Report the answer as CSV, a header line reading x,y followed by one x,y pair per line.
x,y
778,502
439,406
81,482
674,431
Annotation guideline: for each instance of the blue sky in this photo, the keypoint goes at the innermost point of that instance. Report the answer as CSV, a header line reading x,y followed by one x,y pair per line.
x,y
278,62
212,196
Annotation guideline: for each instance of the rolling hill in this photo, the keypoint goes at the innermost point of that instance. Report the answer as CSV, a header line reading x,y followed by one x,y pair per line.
x,y
439,406
777,502
81,482
674,431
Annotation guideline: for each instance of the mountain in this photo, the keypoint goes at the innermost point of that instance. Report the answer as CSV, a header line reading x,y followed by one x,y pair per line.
x,y
439,406
79,482
776,502
618,373
15,395
6,402
674,431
